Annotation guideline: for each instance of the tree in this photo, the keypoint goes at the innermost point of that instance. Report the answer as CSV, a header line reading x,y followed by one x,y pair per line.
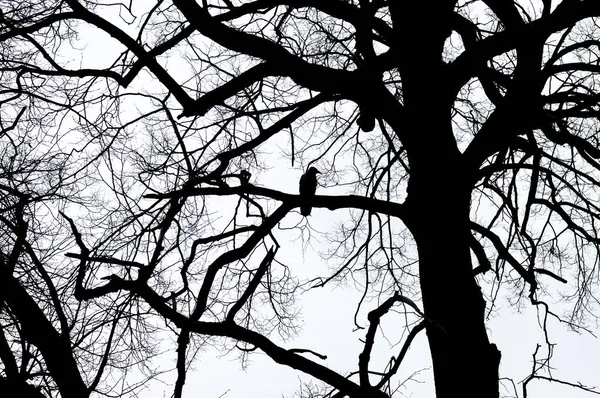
x,y
425,113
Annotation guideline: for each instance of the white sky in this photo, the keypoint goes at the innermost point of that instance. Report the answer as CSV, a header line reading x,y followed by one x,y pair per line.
x,y
328,324
328,329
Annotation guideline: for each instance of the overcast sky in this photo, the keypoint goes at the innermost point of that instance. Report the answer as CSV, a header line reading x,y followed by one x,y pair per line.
x,y
328,329
328,326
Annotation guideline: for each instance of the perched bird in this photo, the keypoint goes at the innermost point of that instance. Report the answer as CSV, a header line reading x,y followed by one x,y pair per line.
x,y
366,119
245,177
308,186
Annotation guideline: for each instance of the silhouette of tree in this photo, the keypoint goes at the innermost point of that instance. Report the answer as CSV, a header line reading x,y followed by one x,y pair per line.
x,y
136,137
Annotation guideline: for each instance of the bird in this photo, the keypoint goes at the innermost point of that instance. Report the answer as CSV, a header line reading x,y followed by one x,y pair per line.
x,y
366,119
308,186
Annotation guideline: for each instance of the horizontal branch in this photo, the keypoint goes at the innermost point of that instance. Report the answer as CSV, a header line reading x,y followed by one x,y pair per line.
x,y
106,260
329,202
334,8
34,27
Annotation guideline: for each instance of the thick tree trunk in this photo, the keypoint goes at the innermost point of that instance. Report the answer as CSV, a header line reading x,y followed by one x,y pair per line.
x,y
465,364
39,331
464,361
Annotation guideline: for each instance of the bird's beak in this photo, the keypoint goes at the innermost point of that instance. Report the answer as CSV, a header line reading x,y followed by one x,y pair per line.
x,y
318,172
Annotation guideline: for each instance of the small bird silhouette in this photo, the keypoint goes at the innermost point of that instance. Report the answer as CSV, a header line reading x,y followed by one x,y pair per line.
x,y
308,186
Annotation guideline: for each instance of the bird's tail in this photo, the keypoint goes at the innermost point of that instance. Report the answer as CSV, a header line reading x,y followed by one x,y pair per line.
x,y
305,210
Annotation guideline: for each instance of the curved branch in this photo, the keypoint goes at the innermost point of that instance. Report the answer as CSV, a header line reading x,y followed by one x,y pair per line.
x,y
311,76
136,48
374,318
228,329
335,8
411,336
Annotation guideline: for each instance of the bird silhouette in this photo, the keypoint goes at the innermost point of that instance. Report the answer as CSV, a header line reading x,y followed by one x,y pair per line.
x,y
308,186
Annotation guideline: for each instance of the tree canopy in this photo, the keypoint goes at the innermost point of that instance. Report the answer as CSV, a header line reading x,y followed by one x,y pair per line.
x,y
151,154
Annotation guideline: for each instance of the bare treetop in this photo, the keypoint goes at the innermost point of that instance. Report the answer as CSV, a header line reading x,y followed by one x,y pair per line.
x,y
152,153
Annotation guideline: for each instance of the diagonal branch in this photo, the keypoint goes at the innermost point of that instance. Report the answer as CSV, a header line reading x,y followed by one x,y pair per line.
x,y
136,48
260,272
374,318
236,254
505,254
221,93
228,329
314,77
37,329
411,336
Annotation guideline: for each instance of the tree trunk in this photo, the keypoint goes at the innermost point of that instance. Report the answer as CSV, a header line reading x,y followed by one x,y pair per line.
x,y
464,361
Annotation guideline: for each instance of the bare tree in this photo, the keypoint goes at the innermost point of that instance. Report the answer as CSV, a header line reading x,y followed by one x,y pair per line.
x,y
138,135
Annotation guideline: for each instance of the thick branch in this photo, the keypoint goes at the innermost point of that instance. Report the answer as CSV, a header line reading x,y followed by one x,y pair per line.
x,y
221,93
136,48
38,330
311,76
236,254
231,330
565,15
329,202
505,254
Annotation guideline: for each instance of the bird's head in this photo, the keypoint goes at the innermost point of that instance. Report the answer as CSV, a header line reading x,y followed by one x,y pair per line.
x,y
313,170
